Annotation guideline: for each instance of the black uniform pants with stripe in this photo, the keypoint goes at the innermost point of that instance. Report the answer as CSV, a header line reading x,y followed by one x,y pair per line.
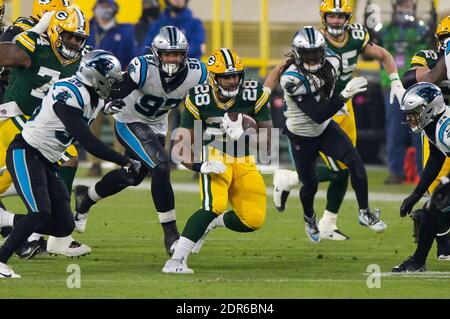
x,y
141,144
44,194
332,142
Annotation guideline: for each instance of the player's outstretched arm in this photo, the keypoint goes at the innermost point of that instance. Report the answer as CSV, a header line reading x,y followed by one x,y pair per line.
x,y
381,54
72,119
13,55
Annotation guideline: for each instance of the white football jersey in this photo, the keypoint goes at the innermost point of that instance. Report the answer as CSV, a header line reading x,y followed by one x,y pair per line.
x,y
152,101
441,138
295,85
44,130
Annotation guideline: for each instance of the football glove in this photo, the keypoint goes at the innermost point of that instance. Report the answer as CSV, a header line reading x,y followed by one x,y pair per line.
x,y
355,86
440,198
233,129
130,171
212,167
42,26
397,89
113,107
409,203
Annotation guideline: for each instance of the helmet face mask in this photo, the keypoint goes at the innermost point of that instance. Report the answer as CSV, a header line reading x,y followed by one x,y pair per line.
x,y
100,70
421,103
336,29
226,72
170,40
71,44
308,49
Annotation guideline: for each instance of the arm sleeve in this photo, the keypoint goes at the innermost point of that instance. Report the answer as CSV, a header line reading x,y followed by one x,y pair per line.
x,y
431,170
72,119
319,112
409,78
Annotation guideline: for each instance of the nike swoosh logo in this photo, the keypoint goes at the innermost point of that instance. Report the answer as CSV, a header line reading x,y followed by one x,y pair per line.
x,y
6,276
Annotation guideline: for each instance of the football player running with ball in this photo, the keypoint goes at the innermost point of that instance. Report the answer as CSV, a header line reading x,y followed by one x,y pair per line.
x,y
227,172
347,41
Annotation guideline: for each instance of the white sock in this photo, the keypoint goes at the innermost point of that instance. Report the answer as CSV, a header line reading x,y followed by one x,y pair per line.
x,y
218,221
34,236
183,249
328,221
6,218
293,179
93,194
58,243
165,217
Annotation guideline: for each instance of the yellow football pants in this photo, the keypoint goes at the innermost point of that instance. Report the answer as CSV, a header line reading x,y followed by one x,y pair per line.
x,y
445,167
241,184
348,124
8,130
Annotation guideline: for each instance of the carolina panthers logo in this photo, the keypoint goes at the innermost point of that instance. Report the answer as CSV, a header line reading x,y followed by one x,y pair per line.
x,y
103,66
63,96
428,93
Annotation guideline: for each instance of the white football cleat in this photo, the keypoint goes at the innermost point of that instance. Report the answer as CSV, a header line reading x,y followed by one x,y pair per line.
x,y
66,246
7,272
444,257
176,266
366,218
334,234
80,222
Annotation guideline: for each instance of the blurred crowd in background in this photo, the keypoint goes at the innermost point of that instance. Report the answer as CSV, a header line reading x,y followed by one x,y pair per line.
x,y
381,140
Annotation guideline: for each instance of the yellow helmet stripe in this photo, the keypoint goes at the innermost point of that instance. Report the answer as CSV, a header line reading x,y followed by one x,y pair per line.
x,y
228,57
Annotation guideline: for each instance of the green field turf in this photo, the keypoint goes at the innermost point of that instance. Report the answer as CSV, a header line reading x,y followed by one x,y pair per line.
x,y
275,262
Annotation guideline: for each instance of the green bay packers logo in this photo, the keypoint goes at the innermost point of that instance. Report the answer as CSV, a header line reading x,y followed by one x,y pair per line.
x,y
211,60
62,15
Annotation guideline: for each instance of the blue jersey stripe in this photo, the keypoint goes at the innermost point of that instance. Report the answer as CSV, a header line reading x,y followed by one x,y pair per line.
x,y
133,142
301,78
442,131
74,89
143,72
21,170
204,73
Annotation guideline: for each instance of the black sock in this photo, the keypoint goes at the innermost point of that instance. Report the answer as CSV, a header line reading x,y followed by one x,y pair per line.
x,y
162,192
197,224
336,191
5,231
307,199
427,234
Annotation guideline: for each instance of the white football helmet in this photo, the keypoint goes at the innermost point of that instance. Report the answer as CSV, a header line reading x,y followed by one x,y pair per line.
x,y
308,48
170,39
100,69
421,103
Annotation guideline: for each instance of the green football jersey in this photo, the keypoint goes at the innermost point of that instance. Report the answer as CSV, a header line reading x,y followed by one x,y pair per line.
x,y
203,105
355,41
27,86
429,58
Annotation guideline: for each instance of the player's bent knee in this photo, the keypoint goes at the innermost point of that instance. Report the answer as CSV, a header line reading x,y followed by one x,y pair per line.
x,y
256,220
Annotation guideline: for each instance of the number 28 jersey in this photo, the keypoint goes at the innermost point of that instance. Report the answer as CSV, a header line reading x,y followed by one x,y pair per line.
x,y
153,99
